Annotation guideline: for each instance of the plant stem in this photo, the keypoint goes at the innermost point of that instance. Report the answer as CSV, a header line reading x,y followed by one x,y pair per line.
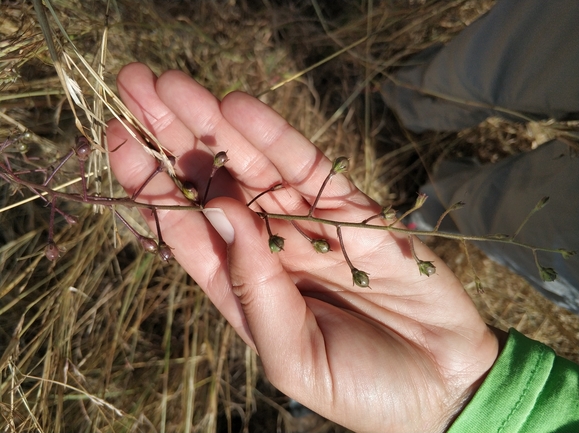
x,y
301,232
348,261
213,171
125,222
455,206
326,180
537,207
51,220
267,226
58,167
273,188
158,170
489,238
93,200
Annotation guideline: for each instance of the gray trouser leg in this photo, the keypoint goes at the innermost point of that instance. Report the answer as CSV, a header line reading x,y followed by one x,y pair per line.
x,y
499,196
522,56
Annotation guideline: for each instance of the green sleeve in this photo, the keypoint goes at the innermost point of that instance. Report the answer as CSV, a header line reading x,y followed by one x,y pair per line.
x,y
529,389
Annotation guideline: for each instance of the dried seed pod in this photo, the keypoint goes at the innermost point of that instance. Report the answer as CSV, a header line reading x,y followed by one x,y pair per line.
x,y
190,192
276,243
360,278
321,245
548,274
340,165
220,159
82,148
51,251
426,268
165,252
420,200
541,204
149,244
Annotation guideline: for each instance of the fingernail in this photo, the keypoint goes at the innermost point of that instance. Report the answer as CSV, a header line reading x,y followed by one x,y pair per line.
x,y
220,223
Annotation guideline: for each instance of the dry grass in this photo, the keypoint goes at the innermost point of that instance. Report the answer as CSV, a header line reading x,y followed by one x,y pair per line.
x,y
111,339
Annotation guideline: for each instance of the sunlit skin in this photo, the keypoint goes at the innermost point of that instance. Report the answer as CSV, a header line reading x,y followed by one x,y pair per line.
x,y
403,356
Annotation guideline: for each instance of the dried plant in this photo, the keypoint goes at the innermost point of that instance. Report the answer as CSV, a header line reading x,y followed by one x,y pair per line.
x,y
94,324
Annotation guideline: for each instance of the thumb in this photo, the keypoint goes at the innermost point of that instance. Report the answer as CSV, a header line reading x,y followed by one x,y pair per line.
x,y
274,308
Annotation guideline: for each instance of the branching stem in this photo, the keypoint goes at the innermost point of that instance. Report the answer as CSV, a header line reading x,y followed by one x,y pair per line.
x,y
93,200
390,228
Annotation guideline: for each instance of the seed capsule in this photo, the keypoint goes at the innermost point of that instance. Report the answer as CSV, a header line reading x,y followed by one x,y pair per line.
x,y
541,204
420,200
51,251
82,149
360,278
321,246
220,159
426,268
165,252
149,244
276,243
340,165
548,274
190,192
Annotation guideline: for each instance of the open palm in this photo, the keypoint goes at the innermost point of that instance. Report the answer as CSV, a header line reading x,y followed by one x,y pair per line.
x,y
404,354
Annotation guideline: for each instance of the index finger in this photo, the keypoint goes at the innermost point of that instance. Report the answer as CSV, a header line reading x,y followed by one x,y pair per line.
x,y
298,160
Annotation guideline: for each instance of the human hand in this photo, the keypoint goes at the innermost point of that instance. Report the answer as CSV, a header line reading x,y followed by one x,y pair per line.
x,y
404,355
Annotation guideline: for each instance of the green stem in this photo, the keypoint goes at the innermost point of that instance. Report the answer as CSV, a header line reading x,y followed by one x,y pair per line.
x,y
489,238
326,180
339,231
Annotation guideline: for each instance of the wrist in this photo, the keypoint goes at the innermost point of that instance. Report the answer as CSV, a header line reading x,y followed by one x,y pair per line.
x,y
496,339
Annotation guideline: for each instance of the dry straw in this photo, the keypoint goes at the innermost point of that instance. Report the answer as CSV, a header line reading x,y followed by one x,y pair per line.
x,y
111,339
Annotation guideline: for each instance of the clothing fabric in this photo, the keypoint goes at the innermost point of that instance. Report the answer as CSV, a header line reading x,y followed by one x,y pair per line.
x,y
498,197
529,390
522,56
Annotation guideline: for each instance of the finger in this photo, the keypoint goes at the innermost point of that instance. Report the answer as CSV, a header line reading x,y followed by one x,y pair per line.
x,y
136,84
284,329
196,246
132,166
200,111
137,87
300,163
